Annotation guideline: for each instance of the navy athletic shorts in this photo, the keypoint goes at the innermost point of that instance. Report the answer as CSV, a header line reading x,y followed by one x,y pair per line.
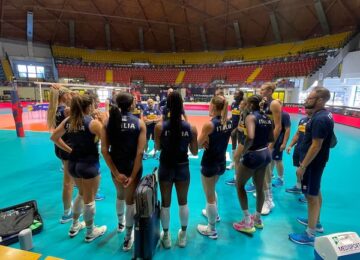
x,y
84,170
310,184
296,157
256,159
213,170
175,173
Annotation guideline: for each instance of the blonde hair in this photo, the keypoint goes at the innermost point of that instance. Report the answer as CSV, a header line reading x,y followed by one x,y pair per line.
x,y
54,98
221,104
270,85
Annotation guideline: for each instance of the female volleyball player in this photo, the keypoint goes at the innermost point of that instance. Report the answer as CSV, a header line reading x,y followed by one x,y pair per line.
x,y
235,116
214,138
59,102
173,137
273,109
122,145
255,157
83,132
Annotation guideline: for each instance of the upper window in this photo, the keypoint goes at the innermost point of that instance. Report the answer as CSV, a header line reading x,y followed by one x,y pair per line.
x,y
31,71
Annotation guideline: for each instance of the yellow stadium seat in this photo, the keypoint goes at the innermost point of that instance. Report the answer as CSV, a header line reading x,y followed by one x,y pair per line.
x,y
247,54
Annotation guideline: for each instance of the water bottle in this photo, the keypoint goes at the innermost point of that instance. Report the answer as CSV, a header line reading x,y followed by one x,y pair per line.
x,y
25,239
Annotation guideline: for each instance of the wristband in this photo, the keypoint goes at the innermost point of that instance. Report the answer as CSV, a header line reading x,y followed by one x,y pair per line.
x,y
302,167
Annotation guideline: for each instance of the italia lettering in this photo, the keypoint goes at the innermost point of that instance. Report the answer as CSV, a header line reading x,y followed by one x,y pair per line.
x,y
183,133
223,127
264,121
128,125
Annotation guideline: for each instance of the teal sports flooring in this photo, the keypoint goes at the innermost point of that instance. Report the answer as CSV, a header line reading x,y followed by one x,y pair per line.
x,y
30,171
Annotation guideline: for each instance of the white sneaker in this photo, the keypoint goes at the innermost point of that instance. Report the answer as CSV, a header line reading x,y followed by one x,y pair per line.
x,y
205,215
75,229
206,231
128,242
272,204
266,209
96,232
230,166
165,238
181,238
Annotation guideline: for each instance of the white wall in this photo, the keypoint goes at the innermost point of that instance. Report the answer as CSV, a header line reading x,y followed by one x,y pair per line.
x,y
26,92
351,65
20,49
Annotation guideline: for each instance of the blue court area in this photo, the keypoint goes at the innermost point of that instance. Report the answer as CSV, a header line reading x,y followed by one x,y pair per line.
x,y
30,171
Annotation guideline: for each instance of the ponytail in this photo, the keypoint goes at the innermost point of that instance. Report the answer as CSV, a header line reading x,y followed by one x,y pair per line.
x,y
56,93
221,105
53,104
175,106
224,113
79,104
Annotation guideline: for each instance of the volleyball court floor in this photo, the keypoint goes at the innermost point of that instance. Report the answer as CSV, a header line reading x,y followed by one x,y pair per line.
x,y
30,171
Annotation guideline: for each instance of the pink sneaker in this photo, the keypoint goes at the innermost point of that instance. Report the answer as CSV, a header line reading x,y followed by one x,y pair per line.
x,y
243,227
257,222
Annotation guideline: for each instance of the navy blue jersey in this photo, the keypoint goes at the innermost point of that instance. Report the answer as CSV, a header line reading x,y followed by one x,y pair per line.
x,y
84,144
59,117
319,126
267,109
218,142
263,128
123,134
235,113
169,153
301,130
151,114
242,127
285,123
138,109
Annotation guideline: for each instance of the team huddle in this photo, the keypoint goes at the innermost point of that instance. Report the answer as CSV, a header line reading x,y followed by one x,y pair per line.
x,y
259,131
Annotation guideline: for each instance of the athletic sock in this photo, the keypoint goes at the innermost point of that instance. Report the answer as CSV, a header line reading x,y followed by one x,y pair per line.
x,y
247,216
212,212
165,217
129,217
184,216
120,209
311,232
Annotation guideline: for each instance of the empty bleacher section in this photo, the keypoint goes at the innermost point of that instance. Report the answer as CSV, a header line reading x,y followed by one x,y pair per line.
x,y
197,75
245,54
289,69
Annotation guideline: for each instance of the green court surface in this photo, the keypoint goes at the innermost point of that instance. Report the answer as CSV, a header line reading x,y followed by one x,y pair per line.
x,y
30,171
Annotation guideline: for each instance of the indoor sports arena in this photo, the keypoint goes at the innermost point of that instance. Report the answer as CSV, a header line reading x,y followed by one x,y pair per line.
x,y
137,129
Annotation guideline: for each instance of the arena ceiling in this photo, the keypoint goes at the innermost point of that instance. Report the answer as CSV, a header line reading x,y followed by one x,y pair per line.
x,y
181,25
